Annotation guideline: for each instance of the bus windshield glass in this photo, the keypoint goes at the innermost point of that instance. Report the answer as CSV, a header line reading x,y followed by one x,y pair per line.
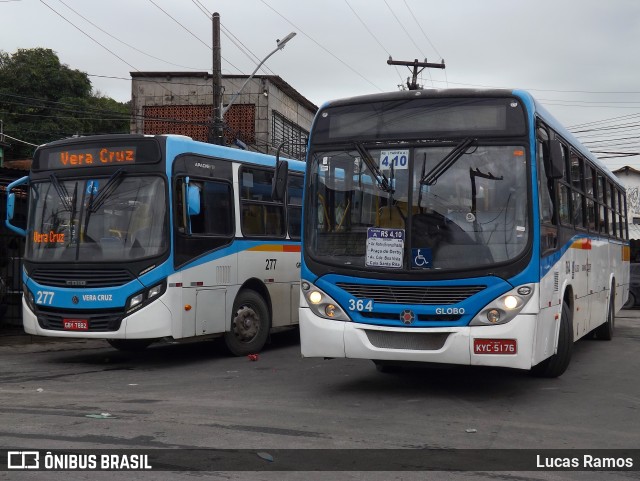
x,y
121,217
456,205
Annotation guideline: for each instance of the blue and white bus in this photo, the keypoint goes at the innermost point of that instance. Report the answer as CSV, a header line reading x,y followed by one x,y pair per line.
x,y
457,226
135,238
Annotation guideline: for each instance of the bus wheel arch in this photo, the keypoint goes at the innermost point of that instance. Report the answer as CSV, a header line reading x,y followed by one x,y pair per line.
x,y
605,331
250,322
557,364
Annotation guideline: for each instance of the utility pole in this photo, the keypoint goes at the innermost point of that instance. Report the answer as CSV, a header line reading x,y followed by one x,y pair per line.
x,y
413,85
216,135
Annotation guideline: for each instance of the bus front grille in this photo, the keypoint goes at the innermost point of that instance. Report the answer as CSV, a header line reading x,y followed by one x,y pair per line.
x,y
98,321
434,295
414,341
81,278
395,316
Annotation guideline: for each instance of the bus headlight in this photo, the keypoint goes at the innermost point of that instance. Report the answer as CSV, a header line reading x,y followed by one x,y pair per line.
x,y
510,302
321,304
135,300
504,308
154,291
28,297
146,296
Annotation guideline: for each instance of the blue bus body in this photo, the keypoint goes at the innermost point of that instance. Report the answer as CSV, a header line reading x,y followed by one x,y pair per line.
x,y
534,259
135,238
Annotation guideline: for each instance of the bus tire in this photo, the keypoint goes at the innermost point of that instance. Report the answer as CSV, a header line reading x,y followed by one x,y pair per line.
x,y
555,365
130,345
250,324
605,331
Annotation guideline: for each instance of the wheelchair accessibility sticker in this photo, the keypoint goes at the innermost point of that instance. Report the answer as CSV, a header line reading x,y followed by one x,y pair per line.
x,y
422,258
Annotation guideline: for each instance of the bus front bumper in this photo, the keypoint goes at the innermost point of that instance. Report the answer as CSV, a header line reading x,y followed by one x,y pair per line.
x,y
451,345
151,322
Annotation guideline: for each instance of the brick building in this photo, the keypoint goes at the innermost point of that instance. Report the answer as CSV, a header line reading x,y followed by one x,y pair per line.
x,y
267,112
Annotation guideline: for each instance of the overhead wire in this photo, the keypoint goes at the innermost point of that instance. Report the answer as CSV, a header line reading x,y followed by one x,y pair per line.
x,y
101,45
122,41
422,30
374,37
409,36
191,33
321,46
21,141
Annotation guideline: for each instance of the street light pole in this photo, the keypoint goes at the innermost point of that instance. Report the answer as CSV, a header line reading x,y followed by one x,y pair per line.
x,y
280,45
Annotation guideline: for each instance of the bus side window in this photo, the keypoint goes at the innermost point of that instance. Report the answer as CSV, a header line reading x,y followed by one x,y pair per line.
x,y
546,195
213,215
261,216
294,205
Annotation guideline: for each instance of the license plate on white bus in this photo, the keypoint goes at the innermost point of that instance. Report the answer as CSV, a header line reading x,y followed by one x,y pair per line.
x,y
495,346
75,324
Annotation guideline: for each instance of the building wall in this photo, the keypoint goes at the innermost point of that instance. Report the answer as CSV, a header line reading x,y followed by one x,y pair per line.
x,y
182,104
631,180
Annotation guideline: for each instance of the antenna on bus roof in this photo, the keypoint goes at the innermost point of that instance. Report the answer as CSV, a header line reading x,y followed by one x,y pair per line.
x,y
413,85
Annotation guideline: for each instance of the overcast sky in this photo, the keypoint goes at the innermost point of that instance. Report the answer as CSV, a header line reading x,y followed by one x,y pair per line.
x,y
579,57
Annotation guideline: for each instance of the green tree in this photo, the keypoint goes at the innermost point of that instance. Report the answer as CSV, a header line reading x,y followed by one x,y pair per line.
x,y
42,100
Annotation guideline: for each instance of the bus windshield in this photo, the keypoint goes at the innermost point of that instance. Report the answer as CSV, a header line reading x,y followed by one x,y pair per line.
x,y
456,205
122,217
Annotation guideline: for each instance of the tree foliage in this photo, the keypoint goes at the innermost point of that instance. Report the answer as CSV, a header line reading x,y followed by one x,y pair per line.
x,y
42,100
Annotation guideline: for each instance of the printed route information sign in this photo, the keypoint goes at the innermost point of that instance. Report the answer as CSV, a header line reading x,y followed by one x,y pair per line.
x,y
385,247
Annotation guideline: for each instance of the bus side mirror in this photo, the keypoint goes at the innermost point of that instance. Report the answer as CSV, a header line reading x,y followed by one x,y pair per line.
x,y
279,183
11,206
556,160
193,200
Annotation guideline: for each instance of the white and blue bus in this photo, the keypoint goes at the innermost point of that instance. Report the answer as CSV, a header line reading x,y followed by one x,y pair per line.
x,y
457,226
135,238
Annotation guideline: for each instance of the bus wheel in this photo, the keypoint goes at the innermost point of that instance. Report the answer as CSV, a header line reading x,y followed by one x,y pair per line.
x,y
605,331
130,345
555,365
249,326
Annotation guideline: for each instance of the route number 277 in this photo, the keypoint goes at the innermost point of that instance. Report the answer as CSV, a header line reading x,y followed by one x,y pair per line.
x,y
44,297
271,264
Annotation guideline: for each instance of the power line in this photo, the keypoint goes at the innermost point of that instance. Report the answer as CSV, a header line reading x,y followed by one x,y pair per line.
x,y
191,33
21,141
374,37
123,42
114,54
421,29
86,34
322,47
227,33
612,119
404,29
185,28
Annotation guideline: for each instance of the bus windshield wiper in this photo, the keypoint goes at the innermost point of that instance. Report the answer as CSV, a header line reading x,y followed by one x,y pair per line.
x,y
109,188
451,158
61,191
382,180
